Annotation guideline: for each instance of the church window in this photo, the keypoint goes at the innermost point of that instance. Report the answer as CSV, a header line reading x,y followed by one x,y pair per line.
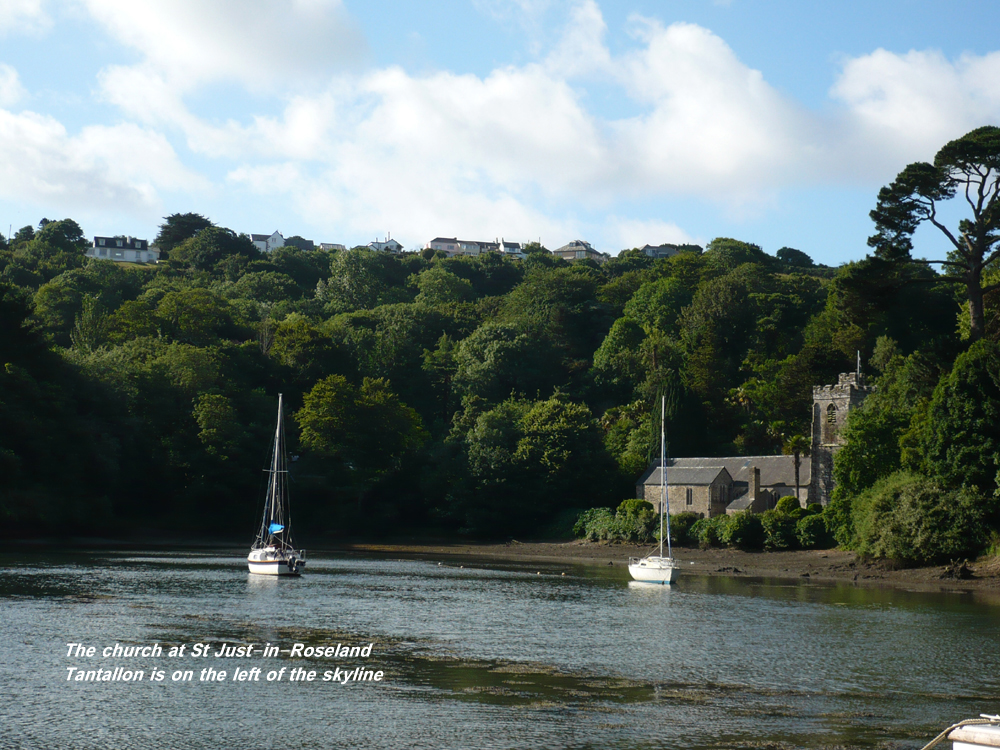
x,y
830,427
689,497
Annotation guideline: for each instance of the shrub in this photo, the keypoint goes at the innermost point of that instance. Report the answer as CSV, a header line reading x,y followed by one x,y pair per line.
x,y
787,504
912,519
680,526
634,521
594,524
705,531
636,527
839,521
779,529
743,531
811,532
632,506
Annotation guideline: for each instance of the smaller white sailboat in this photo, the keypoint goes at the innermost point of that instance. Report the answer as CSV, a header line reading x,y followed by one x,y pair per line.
x,y
273,552
657,568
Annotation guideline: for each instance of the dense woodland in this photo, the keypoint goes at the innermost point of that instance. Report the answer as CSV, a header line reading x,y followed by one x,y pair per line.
x,y
491,397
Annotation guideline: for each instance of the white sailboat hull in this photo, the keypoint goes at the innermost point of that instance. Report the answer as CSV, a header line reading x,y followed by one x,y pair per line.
x,y
271,562
653,569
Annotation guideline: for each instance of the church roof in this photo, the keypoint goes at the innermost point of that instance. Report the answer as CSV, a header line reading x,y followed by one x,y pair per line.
x,y
775,471
688,476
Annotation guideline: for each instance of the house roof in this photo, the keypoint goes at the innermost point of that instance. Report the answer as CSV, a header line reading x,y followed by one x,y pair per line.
x,y
574,246
775,471
743,502
687,476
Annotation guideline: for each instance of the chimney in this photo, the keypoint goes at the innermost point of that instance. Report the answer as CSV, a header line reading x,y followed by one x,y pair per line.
x,y
754,484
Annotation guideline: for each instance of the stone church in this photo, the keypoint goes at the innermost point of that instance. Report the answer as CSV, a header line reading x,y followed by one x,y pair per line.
x,y
713,486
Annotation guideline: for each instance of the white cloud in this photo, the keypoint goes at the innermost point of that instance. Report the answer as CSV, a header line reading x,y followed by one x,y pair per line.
x,y
581,48
121,166
714,126
25,16
519,151
259,43
507,152
907,106
11,90
629,233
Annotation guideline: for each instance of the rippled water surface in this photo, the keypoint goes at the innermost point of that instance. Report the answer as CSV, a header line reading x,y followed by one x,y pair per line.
x,y
483,657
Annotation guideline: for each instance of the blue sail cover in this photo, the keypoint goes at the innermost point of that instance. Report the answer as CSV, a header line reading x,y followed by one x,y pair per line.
x,y
274,528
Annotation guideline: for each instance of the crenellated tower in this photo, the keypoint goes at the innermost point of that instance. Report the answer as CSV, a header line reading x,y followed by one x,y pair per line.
x,y
831,403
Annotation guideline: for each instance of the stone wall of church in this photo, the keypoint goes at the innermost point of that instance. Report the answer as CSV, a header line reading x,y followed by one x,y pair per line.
x,y
831,404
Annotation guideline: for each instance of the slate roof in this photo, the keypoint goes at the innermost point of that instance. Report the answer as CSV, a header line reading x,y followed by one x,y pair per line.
x,y
775,471
743,502
685,476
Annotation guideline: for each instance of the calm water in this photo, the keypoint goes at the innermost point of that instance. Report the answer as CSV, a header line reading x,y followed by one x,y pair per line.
x,y
484,657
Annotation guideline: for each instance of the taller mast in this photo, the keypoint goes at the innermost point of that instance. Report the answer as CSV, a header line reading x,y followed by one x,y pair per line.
x,y
665,501
275,514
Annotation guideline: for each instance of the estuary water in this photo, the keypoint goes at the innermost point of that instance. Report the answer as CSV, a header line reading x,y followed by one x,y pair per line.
x,y
476,655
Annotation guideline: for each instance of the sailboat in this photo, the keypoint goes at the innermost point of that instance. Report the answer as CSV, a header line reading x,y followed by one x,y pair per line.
x,y
657,568
273,552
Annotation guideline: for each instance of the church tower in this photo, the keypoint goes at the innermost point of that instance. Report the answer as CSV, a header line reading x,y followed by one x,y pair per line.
x,y
831,403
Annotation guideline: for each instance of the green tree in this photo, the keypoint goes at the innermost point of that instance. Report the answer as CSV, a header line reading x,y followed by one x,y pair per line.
x,y
266,287
967,167
212,246
365,431
792,257
658,304
797,446
914,520
23,235
91,327
361,279
305,350
961,437
725,254
196,316
618,362
219,424
65,235
438,285
499,359
179,227
440,367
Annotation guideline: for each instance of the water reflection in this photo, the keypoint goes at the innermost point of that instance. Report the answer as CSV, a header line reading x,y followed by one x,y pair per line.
x,y
513,656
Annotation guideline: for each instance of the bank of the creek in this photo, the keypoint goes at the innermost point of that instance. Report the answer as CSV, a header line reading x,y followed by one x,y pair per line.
x,y
833,565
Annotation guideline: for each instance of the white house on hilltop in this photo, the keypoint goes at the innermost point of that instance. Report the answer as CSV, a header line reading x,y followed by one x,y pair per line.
x,y
580,250
124,249
454,246
389,245
268,242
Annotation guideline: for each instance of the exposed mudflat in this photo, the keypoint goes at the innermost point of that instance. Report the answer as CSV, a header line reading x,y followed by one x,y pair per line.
x,y
813,565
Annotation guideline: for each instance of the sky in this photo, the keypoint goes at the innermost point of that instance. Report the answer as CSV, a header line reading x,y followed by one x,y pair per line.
x,y
618,122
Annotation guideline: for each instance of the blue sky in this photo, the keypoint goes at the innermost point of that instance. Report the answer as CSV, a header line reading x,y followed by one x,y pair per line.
x,y
618,122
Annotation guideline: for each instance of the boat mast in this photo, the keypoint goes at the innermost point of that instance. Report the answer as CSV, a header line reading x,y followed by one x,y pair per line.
x,y
274,510
664,499
275,470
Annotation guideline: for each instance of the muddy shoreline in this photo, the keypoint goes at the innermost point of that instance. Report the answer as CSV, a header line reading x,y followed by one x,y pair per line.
x,y
801,565
981,577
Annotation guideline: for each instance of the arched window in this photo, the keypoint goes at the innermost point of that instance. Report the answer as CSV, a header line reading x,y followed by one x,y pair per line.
x,y
830,426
